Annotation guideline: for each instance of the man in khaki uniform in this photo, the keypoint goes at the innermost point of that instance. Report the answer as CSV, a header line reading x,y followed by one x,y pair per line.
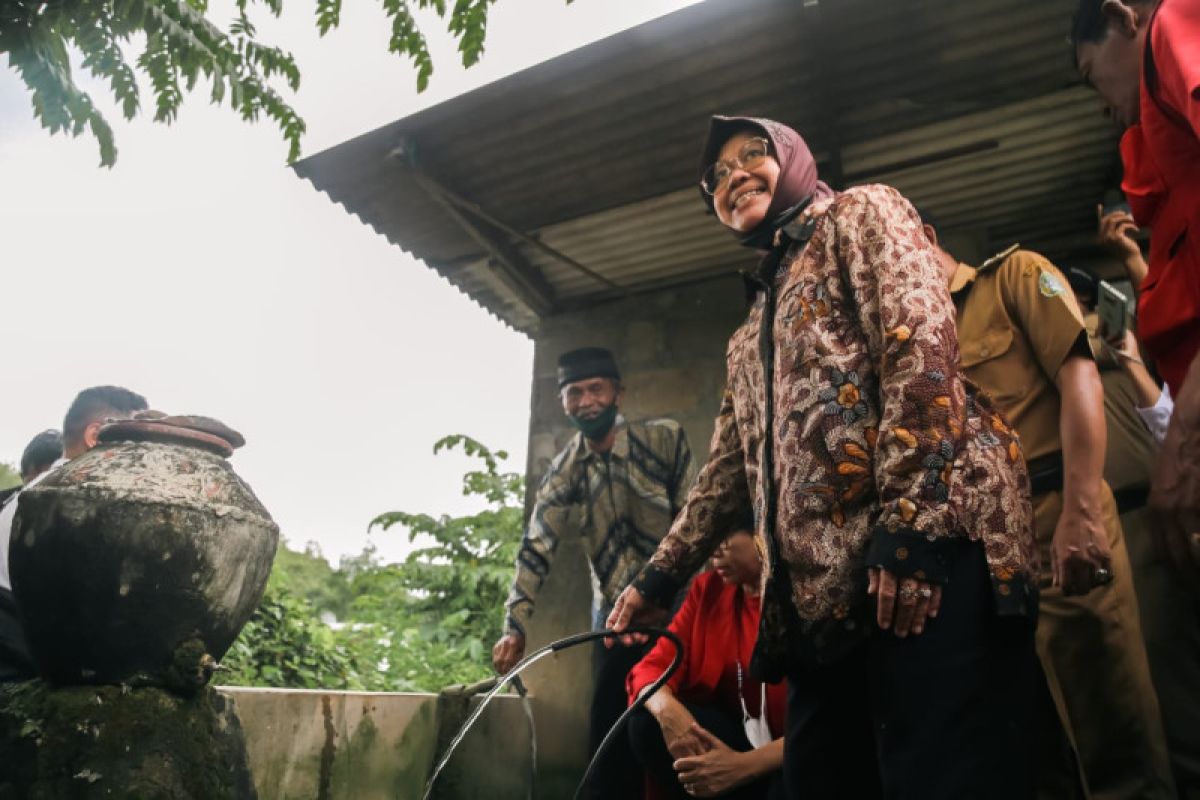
x,y
1022,340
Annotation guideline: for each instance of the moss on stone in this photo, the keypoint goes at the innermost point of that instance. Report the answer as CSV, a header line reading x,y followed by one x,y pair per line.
x,y
85,742
414,753
191,667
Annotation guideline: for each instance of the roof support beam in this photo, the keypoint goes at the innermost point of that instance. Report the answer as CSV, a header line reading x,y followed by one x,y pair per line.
x,y
522,278
532,241
406,152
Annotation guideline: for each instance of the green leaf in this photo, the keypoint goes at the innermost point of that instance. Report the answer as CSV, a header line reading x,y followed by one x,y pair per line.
x,y
182,45
417,625
329,15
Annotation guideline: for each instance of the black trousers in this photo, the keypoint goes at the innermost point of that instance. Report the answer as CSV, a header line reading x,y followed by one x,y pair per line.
x,y
941,716
649,747
617,774
15,662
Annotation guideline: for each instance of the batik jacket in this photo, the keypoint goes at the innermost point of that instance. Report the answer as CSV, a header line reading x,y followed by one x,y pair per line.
x,y
621,503
881,453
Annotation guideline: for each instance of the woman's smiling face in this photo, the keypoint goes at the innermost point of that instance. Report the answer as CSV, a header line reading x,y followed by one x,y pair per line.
x,y
741,201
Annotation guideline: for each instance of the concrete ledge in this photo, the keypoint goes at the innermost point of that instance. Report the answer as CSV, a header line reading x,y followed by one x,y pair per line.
x,y
306,744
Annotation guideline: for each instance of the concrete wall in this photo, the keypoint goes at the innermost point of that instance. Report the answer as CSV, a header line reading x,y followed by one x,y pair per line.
x,y
670,346
319,745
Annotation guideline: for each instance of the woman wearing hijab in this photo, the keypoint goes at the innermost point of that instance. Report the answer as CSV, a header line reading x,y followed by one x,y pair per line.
x,y
892,500
712,730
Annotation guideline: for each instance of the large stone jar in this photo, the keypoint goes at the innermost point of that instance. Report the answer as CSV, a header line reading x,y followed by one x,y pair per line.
x,y
141,560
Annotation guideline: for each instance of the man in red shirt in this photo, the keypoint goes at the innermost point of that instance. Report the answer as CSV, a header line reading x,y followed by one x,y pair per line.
x,y
1143,57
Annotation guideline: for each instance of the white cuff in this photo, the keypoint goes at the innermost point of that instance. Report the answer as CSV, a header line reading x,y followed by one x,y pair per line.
x,y
1157,417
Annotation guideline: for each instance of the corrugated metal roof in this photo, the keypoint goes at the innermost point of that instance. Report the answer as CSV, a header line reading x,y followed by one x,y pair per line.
x,y
971,109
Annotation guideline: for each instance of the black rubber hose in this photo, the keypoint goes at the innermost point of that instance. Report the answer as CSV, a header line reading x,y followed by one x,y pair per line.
x,y
615,730
563,644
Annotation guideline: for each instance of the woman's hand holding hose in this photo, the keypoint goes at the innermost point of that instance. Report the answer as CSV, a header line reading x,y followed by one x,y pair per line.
x,y
632,608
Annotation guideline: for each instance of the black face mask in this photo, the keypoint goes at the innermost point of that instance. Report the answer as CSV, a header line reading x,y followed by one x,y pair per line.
x,y
598,426
763,237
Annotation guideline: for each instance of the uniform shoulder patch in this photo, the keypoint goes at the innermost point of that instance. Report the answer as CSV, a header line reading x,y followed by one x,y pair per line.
x,y
1049,284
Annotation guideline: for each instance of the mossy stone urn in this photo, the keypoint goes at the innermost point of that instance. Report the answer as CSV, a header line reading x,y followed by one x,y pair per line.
x,y
140,561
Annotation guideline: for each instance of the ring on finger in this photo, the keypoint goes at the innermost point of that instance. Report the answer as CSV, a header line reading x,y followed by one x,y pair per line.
x,y
925,592
908,594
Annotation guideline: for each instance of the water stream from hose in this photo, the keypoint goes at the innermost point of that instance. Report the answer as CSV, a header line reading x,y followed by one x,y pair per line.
x,y
539,654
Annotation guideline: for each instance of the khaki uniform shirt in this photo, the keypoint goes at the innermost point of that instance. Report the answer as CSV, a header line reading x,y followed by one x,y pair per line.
x,y
1017,323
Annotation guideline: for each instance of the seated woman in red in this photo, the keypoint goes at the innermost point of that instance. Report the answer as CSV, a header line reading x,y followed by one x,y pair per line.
x,y
706,733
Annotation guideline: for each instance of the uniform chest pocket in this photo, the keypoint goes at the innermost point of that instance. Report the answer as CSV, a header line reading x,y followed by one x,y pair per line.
x,y
982,359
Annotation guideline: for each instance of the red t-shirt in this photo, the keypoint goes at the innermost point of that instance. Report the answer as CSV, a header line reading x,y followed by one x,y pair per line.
x,y
1161,155
1175,45
718,625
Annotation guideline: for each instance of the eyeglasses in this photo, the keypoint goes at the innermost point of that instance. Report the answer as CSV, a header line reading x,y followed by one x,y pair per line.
x,y
751,154
724,547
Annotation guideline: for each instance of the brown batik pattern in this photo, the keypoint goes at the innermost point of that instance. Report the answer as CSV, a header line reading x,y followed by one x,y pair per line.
x,y
880,444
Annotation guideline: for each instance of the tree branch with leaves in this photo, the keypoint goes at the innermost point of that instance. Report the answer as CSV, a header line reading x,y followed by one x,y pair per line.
x,y
417,625
181,48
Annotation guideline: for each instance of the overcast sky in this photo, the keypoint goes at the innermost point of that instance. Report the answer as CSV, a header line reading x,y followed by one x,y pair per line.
x,y
203,273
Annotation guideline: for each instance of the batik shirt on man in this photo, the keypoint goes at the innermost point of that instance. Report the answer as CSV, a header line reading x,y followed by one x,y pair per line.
x,y
621,504
883,454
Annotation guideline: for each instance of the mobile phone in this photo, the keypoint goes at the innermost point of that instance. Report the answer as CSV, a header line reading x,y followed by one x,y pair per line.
x,y
1110,208
1112,307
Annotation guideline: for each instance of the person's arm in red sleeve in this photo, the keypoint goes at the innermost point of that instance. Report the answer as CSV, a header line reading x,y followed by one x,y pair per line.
x,y
1175,494
677,723
655,662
